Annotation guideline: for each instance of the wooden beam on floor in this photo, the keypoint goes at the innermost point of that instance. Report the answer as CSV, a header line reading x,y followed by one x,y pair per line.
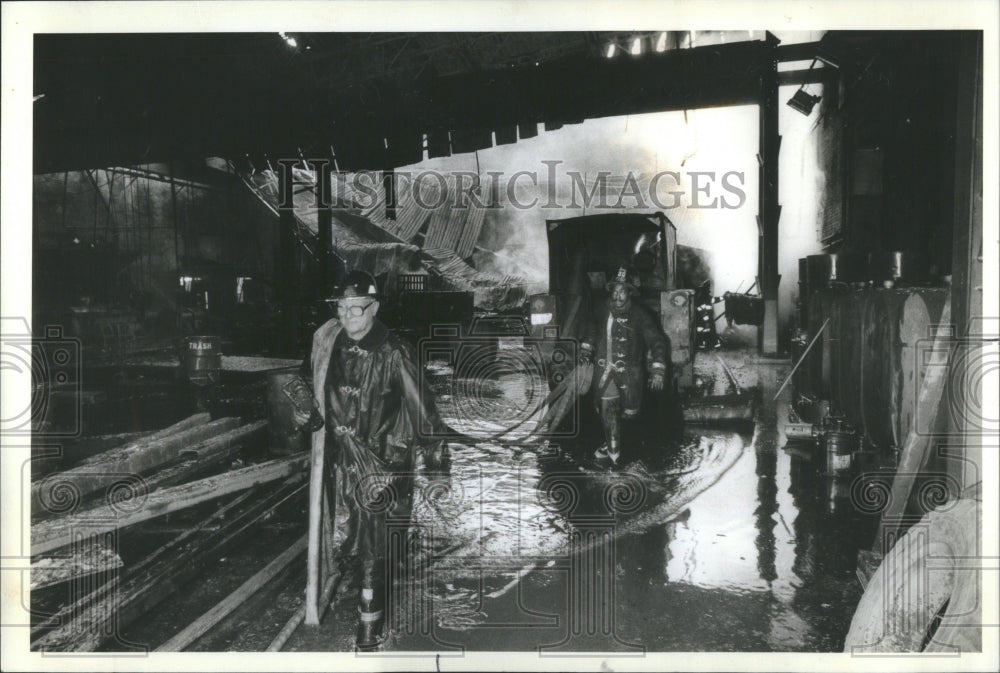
x,y
200,626
210,524
55,533
102,614
85,560
105,469
58,459
206,454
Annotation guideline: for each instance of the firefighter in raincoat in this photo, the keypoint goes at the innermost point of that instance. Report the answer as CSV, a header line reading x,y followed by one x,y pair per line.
x,y
625,341
376,421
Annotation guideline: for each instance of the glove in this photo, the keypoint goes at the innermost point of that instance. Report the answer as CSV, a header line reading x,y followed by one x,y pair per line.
x,y
656,382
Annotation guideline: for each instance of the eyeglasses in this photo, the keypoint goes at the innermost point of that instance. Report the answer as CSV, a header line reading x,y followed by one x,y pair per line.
x,y
353,311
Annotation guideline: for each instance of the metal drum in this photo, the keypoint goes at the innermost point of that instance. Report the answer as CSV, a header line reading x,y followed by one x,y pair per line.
x,y
823,366
285,436
841,267
880,365
921,310
203,359
838,448
901,267
839,307
897,325
849,353
849,267
817,275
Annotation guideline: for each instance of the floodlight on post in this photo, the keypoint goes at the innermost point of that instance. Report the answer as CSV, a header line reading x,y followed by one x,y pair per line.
x,y
801,100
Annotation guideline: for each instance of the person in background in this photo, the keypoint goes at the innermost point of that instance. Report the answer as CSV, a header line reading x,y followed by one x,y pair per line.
x,y
625,342
376,423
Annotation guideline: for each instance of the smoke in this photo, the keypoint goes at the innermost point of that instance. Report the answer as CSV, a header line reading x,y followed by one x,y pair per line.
x,y
801,186
701,146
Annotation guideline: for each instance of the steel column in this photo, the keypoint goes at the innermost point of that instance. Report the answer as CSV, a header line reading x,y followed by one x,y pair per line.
x,y
769,209
325,240
287,277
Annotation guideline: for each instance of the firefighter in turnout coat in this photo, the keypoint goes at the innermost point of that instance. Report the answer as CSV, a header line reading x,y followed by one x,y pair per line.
x,y
376,420
625,341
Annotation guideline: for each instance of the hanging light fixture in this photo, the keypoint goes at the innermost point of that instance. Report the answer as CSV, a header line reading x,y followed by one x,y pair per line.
x,y
802,101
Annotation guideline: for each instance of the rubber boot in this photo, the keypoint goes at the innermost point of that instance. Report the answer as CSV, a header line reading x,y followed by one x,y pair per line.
x,y
371,616
611,420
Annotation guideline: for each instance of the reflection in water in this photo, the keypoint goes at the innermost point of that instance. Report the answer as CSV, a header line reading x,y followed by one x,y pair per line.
x,y
715,546
508,516
767,508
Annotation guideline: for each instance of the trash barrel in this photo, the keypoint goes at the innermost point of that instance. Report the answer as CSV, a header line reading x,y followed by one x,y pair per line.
x,y
203,359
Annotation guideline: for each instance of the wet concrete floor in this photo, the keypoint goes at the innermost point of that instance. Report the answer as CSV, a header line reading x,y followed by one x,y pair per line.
x,y
727,541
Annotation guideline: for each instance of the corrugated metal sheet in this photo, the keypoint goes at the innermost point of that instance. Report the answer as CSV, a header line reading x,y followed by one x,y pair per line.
x,y
378,258
456,224
451,237
410,215
452,226
470,231
490,291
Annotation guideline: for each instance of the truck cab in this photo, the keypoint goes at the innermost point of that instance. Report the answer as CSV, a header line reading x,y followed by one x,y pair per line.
x,y
584,250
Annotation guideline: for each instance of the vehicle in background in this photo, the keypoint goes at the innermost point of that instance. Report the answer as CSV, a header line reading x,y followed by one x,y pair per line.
x,y
584,250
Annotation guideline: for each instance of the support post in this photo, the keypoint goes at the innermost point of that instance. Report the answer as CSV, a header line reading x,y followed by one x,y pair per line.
x,y
389,187
314,553
325,248
967,260
287,277
770,211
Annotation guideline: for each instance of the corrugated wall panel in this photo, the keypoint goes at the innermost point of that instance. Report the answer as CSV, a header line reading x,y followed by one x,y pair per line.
x,y
470,232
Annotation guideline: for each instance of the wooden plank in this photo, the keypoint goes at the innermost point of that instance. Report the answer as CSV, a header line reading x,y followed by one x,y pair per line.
x,y
86,559
206,454
179,426
199,626
299,615
211,523
136,452
918,447
316,515
84,449
78,450
104,470
123,602
49,535
252,364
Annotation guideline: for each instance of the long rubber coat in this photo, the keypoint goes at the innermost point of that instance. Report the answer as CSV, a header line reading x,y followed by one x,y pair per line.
x,y
635,336
377,417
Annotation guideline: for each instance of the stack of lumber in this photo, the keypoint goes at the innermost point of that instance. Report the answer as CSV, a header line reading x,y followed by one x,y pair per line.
x,y
80,515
